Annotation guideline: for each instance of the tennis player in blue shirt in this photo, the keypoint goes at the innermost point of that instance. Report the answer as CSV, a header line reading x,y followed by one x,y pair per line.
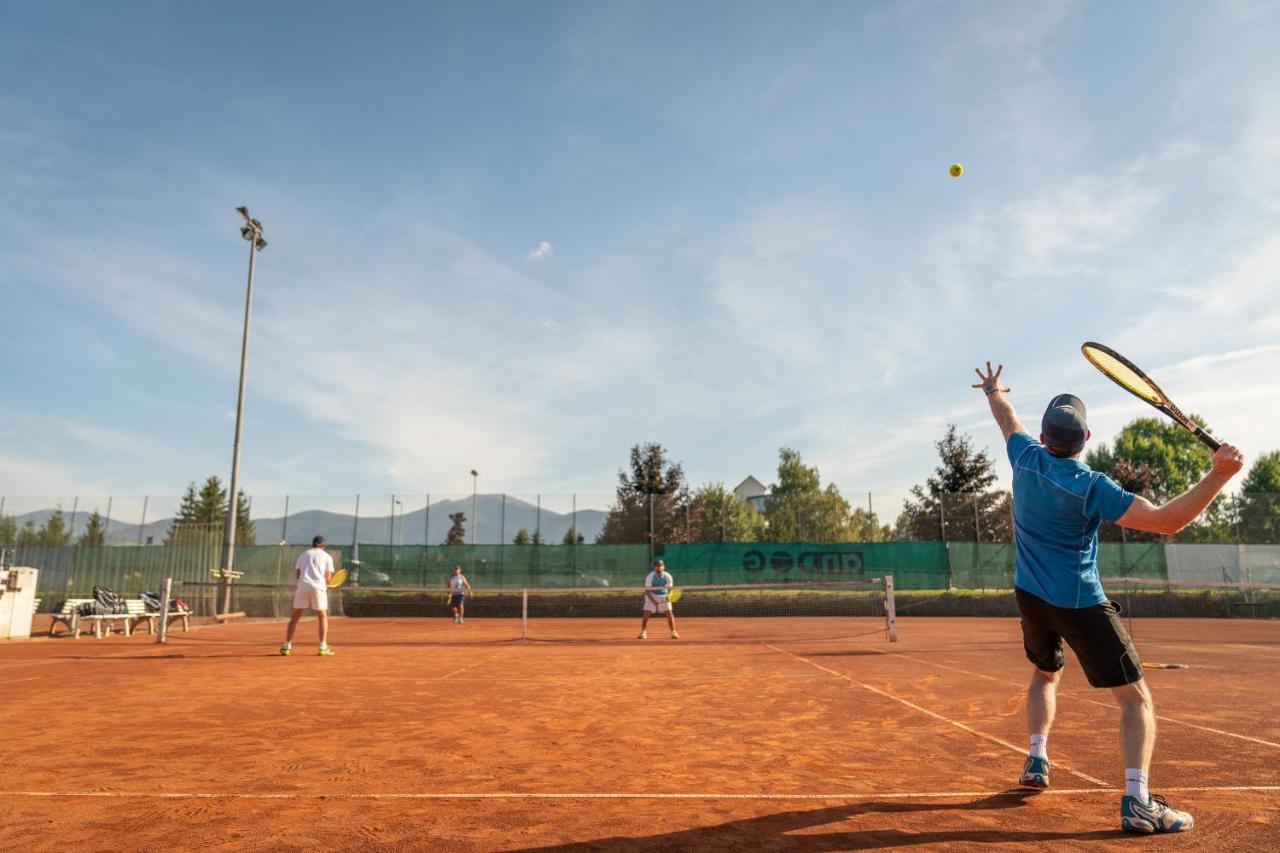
x,y
1058,503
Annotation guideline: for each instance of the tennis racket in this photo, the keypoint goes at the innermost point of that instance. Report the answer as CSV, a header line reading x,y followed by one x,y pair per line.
x,y
674,595
1128,376
337,579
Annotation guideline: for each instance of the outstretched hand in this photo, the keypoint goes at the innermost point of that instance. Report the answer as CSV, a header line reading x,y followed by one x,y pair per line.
x,y
990,381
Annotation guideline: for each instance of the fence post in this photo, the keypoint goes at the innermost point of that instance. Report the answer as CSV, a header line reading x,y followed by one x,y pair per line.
x,y
977,544
166,592
106,522
284,525
143,523
650,528
75,507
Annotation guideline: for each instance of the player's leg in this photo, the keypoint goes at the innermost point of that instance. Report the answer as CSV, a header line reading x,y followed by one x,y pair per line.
x,y
671,622
288,632
322,620
1043,647
462,610
320,603
1098,637
644,621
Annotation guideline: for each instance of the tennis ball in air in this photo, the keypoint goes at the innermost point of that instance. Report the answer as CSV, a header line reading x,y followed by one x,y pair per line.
x,y
956,170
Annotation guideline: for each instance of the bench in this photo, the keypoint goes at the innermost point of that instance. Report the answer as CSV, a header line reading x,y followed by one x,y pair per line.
x,y
103,623
138,612
69,615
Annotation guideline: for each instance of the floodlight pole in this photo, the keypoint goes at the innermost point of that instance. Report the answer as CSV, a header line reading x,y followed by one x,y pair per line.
x,y
252,232
474,476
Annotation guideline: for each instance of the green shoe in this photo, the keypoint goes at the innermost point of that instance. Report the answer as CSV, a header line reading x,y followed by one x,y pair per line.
x,y
1035,773
325,652
286,651
1152,817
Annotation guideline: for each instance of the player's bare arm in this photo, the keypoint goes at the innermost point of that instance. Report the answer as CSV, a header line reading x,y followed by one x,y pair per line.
x,y
1182,510
1001,408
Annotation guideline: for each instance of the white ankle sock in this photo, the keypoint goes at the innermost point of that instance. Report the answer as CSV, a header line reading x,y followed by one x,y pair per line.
x,y
1040,746
288,645
324,645
1135,784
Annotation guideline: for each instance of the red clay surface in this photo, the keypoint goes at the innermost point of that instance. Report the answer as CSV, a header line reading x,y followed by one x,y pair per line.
x,y
216,741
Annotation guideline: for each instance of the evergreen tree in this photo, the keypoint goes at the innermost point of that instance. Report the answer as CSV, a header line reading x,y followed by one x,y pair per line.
x,y
8,531
94,535
54,532
28,536
202,516
571,537
457,534
522,537
958,493
536,538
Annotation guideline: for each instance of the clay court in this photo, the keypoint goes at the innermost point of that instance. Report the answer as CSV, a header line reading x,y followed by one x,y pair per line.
x,y
214,740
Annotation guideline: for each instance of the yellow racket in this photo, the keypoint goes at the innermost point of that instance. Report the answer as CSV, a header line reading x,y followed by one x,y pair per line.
x,y
673,596
1128,376
337,579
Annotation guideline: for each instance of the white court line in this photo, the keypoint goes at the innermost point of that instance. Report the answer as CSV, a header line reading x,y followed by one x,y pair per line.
x,y
959,725
1076,695
622,795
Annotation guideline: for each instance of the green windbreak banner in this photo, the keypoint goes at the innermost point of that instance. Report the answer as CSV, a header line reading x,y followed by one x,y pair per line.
x,y
504,566
914,565
990,565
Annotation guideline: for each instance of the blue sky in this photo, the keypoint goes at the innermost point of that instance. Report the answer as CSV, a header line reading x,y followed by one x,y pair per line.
x,y
521,237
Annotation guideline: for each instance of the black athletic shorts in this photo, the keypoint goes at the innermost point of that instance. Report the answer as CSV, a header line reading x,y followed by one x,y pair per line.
x,y
1095,634
457,599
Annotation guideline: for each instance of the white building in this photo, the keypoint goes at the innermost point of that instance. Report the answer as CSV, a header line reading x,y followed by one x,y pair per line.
x,y
753,492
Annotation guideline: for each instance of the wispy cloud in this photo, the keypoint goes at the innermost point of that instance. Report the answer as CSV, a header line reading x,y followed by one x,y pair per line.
x,y
541,251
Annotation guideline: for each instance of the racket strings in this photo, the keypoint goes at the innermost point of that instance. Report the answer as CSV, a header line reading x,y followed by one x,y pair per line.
x,y
1125,375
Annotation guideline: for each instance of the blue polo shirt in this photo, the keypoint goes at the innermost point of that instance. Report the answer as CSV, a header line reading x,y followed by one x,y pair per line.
x,y
1057,507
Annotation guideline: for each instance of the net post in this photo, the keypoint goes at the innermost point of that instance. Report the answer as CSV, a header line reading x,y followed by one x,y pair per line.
x,y
524,614
166,593
890,610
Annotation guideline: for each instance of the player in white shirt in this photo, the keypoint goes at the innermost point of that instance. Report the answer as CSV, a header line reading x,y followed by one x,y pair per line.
x,y
313,568
657,585
458,589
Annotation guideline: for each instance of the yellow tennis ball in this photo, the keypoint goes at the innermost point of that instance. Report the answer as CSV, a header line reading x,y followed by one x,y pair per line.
x,y
956,170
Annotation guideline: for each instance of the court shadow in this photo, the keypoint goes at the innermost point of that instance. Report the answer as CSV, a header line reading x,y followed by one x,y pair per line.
x,y
778,832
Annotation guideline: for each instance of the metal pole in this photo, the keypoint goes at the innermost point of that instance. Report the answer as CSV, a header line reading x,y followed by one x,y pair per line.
x,y
502,524
166,593
575,518
75,506
474,480
355,528
426,526
229,543
143,523
391,537
538,526
651,528
106,523
284,527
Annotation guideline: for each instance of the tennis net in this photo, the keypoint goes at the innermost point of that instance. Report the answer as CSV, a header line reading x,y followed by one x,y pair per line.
x,y
1198,611
720,613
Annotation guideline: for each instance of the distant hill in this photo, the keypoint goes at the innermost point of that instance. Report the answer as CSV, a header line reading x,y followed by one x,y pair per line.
x,y
339,528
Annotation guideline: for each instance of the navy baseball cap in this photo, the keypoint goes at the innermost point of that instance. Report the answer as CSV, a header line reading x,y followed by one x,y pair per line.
x,y
1063,426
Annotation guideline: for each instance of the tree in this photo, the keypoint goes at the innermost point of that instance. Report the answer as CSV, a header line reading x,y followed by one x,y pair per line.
x,y
1166,458
572,537
798,509
457,534
536,538
956,503
202,516
1259,501
28,536
716,514
522,537
94,535
865,526
652,492
8,531
54,532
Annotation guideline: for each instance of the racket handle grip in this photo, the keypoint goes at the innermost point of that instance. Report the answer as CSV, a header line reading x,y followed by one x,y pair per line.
x,y
1207,440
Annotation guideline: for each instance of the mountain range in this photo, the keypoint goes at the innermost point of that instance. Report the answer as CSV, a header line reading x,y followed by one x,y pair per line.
x,y
429,525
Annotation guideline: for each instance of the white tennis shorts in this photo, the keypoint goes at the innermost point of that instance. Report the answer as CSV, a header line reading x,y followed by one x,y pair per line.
x,y
310,597
663,606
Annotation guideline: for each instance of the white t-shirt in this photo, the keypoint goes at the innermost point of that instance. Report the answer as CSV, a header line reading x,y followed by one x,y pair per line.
x,y
663,585
458,583
312,566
